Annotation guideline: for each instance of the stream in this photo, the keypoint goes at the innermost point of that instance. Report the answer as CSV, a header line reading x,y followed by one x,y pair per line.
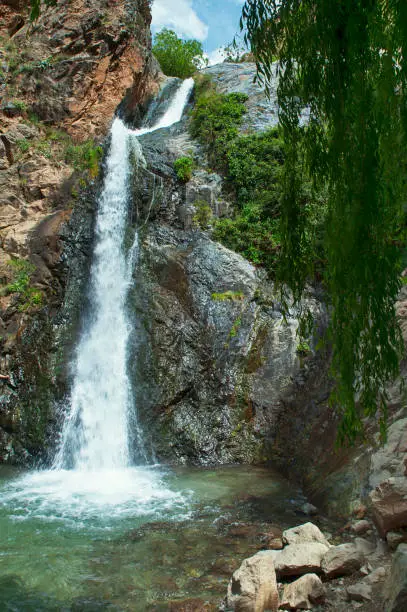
x,y
155,539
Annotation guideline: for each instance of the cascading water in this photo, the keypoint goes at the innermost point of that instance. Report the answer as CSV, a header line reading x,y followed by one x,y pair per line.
x,y
92,468
95,434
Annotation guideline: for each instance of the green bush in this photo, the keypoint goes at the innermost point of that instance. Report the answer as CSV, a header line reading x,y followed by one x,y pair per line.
x,y
29,297
23,145
183,167
216,119
177,57
84,156
203,214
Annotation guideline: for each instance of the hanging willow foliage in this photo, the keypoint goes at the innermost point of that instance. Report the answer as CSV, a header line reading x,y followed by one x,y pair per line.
x,y
344,61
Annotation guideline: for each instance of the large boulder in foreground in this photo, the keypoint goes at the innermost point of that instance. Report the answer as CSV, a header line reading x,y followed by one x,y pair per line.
x,y
303,594
253,587
396,586
342,560
389,504
304,533
298,559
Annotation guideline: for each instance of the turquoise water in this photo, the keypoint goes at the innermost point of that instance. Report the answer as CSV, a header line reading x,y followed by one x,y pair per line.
x,y
139,539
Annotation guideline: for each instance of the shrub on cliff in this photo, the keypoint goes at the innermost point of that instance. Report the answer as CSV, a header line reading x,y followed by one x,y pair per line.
x,y
177,57
183,167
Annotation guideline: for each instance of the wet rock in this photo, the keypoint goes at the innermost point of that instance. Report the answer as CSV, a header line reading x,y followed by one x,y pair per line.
x,y
359,592
303,594
304,533
298,559
389,504
396,585
253,587
342,560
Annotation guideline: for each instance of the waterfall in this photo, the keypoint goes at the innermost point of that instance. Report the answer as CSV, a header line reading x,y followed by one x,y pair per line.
x,y
95,433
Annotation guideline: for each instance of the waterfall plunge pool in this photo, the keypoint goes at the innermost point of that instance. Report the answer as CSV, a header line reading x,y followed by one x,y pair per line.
x,y
134,539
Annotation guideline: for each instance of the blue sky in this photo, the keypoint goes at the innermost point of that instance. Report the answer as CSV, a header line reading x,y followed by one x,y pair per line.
x,y
213,22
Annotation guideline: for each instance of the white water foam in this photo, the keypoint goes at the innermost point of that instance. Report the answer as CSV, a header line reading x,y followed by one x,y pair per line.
x,y
95,438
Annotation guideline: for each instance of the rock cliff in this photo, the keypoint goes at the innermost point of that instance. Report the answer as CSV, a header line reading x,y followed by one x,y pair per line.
x,y
61,80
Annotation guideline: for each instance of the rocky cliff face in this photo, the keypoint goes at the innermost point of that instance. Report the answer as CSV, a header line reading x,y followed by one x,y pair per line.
x,y
61,80
214,363
215,368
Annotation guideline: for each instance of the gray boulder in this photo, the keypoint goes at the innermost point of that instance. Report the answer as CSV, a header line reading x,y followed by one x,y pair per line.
x,y
253,587
342,560
298,559
389,504
303,594
304,533
396,586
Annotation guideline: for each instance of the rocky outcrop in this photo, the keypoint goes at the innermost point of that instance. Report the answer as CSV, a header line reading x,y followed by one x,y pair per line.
x,y
213,356
79,61
61,80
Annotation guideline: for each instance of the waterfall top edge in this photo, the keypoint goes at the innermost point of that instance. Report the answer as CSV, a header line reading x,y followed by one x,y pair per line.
x,y
171,116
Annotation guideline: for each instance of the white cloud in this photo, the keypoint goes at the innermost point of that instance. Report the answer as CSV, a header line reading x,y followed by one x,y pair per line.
x,y
216,56
180,17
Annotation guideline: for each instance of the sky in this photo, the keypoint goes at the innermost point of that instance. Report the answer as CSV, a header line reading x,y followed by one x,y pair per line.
x,y
213,22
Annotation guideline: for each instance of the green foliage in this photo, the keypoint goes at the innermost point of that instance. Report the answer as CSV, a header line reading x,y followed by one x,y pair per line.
x,y
84,156
29,297
183,167
21,273
228,295
20,105
203,214
252,234
216,119
36,7
235,328
303,348
177,57
23,145
348,66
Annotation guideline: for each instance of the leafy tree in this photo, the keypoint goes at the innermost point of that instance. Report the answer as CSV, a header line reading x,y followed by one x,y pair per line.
x,y
346,63
177,57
